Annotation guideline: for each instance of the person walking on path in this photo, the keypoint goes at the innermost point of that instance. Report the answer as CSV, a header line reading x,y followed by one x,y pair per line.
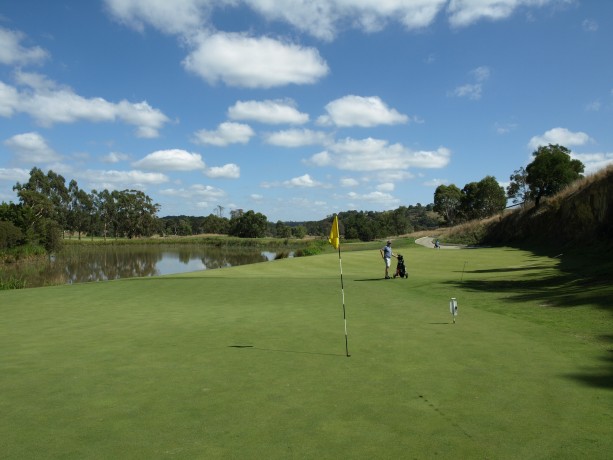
x,y
387,254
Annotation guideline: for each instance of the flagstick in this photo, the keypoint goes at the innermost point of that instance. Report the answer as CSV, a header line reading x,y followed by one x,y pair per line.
x,y
340,264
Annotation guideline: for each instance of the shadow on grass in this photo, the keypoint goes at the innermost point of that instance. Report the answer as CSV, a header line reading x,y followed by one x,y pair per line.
x,y
601,379
582,277
285,351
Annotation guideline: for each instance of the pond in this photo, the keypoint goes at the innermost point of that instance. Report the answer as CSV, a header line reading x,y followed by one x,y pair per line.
x,y
80,264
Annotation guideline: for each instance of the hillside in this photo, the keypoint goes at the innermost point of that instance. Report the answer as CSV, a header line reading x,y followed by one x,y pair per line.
x,y
582,213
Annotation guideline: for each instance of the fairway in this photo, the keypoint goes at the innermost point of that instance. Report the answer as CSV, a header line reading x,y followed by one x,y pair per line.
x,y
249,362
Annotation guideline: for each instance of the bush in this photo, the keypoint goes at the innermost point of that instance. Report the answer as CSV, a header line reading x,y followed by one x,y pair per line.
x,y
10,235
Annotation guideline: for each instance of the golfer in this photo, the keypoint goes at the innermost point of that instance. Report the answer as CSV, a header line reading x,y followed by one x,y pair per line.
x,y
387,254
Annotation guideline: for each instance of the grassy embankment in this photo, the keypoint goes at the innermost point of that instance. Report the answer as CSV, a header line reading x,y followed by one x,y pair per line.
x,y
249,361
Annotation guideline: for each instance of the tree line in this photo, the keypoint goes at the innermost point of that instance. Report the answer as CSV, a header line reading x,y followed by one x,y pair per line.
x,y
49,210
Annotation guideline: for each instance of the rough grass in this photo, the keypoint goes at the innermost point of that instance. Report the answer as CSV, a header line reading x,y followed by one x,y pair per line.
x,y
249,362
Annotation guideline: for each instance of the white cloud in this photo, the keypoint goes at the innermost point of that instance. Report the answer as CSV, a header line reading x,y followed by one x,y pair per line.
x,y
481,73
321,18
360,111
436,182
378,155
374,197
117,180
253,62
589,25
197,191
9,100
305,181
115,157
473,91
175,17
349,182
463,13
297,138
14,174
386,187
171,160
281,111
561,136
505,128
226,133
31,148
228,171
49,104
594,161
12,52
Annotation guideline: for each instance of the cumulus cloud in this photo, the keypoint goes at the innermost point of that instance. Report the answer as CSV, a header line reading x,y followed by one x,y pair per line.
x,y
253,62
226,133
176,17
196,191
12,52
31,148
594,161
48,104
360,111
228,171
305,181
377,155
272,112
319,18
118,180
297,138
322,18
464,13
386,187
561,136
171,160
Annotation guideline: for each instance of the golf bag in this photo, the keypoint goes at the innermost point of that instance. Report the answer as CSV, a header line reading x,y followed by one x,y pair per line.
x,y
401,270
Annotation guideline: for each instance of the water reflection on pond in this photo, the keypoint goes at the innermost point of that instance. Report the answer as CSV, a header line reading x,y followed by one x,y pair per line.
x,y
79,264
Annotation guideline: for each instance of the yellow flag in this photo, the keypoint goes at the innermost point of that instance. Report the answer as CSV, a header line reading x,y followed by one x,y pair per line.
x,y
335,237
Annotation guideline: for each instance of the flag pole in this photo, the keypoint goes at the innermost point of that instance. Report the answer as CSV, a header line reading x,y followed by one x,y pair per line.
x,y
335,240
340,264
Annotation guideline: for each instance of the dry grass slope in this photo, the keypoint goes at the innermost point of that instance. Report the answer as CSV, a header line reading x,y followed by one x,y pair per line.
x,y
583,212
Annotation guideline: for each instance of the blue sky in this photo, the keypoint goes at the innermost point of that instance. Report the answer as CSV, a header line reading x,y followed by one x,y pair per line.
x,y
299,109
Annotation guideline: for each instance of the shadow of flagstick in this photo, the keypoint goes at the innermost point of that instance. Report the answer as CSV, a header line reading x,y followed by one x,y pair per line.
x,y
286,351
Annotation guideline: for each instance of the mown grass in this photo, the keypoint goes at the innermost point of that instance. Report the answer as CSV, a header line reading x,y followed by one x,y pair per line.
x,y
249,362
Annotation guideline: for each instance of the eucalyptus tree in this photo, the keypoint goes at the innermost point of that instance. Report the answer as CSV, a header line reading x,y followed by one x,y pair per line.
x,y
80,215
248,224
45,199
447,202
518,190
136,213
482,199
551,170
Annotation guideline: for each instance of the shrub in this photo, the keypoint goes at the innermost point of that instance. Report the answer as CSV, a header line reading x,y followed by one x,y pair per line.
x,y
10,235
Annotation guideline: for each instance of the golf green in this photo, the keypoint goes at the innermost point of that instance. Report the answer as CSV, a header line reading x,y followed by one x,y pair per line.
x,y
250,362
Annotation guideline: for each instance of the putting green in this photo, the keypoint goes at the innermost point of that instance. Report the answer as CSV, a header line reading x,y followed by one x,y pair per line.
x,y
249,362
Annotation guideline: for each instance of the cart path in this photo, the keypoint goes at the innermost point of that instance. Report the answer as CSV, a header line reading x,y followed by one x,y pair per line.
x,y
428,242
